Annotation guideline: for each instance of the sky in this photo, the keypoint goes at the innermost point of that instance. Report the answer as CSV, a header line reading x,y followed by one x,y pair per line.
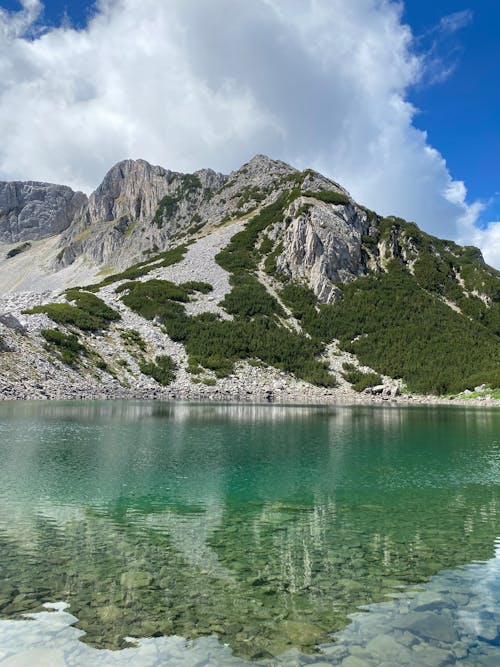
x,y
398,101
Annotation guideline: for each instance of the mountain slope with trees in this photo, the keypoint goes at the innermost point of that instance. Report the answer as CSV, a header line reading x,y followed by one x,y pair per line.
x,y
269,272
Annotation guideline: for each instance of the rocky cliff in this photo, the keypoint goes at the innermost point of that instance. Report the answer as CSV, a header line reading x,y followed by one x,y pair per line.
x,y
31,210
136,210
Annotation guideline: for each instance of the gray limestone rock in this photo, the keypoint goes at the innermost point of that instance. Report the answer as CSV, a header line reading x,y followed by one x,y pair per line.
x,y
322,245
135,211
32,210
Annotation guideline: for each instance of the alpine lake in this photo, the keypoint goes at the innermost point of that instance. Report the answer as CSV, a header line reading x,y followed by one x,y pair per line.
x,y
149,533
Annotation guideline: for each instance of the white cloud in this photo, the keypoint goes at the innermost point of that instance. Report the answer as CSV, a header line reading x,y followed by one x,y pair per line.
x,y
440,48
488,240
456,21
193,83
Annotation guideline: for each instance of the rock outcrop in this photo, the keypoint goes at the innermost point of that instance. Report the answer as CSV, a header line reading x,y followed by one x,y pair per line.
x,y
135,211
30,211
323,245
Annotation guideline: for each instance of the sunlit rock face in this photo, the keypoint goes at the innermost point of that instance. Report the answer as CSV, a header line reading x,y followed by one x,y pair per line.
x,y
137,209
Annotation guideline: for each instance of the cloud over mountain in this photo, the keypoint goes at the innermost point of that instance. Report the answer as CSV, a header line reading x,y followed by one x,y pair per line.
x,y
194,83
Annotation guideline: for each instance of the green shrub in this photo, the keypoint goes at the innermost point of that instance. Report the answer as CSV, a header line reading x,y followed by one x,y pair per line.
x,y
133,337
194,367
270,262
67,345
360,380
154,298
162,369
328,196
197,286
93,305
66,315
155,290
249,297
89,314
266,245
164,259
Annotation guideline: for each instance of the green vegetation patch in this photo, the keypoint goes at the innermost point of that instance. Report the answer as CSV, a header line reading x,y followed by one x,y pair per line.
x,y
89,314
94,306
217,344
160,298
400,330
162,369
197,286
358,379
438,265
328,196
68,347
162,260
249,297
303,304
266,245
270,265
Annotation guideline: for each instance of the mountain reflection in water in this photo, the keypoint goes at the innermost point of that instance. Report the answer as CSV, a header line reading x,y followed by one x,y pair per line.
x,y
266,526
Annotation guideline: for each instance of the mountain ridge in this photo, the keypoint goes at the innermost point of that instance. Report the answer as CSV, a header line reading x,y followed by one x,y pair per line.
x,y
268,272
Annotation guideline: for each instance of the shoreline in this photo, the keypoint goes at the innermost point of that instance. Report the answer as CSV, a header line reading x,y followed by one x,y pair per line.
x,y
212,395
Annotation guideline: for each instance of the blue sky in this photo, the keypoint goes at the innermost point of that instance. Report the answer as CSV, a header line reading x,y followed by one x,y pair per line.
x,y
462,113
57,10
408,119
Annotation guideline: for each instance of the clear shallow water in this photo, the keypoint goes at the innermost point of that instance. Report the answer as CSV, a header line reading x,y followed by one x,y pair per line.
x,y
262,526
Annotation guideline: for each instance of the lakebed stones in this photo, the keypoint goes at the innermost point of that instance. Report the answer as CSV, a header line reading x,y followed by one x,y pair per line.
x,y
429,625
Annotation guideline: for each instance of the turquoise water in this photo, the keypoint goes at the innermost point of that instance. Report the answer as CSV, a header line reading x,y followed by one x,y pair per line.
x,y
260,528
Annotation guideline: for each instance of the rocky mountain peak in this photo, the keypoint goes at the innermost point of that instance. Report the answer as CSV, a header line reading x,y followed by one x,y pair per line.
x,y
130,188
262,164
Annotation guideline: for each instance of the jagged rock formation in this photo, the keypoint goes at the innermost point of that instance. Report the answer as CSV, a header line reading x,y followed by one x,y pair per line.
x,y
322,245
31,210
136,209
139,208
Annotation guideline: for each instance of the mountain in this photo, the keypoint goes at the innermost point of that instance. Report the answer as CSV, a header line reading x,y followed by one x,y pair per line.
x,y
268,283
